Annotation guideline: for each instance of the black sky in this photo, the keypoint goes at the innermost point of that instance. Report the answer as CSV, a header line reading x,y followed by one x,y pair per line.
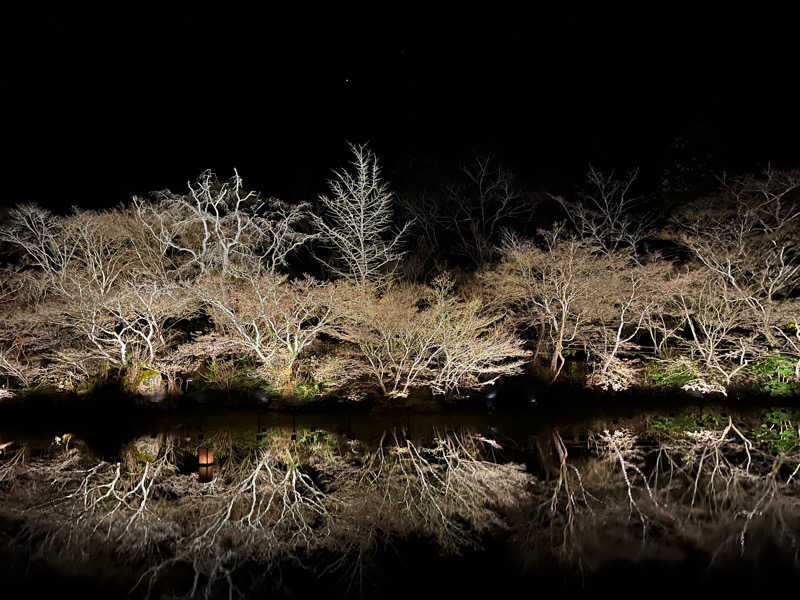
x,y
99,106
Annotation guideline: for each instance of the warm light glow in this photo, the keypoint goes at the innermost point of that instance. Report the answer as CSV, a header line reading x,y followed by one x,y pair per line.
x,y
205,456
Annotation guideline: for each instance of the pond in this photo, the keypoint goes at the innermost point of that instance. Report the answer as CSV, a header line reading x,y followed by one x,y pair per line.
x,y
547,488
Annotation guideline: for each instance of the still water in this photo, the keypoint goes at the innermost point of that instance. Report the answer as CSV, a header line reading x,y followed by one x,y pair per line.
x,y
546,490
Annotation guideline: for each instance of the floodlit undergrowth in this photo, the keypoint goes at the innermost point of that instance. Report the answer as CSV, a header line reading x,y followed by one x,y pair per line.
x,y
338,507
370,294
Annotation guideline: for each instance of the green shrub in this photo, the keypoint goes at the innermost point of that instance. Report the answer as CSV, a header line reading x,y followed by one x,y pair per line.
x,y
673,374
779,430
303,391
663,426
776,373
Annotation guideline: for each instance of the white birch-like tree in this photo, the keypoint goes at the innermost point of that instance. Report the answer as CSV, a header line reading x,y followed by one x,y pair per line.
x,y
356,223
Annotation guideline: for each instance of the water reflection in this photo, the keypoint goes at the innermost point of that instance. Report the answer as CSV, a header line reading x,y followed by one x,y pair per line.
x,y
287,486
205,468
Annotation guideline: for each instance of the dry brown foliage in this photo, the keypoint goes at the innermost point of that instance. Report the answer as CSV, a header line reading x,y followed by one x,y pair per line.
x,y
414,336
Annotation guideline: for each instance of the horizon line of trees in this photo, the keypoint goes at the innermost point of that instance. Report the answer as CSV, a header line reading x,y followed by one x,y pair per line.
x,y
366,292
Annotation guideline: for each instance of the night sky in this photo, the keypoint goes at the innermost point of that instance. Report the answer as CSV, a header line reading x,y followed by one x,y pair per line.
x,y
98,106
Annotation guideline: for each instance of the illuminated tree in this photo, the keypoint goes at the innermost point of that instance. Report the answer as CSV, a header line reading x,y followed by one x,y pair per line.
x,y
553,288
747,235
269,316
357,222
720,324
41,235
620,307
219,225
418,336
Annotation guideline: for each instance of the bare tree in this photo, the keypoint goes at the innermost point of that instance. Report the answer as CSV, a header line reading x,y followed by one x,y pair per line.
x,y
553,288
130,326
747,236
605,212
479,211
415,337
665,318
104,299
269,316
12,283
40,234
357,222
621,305
93,245
720,324
37,349
429,221
219,225
478,347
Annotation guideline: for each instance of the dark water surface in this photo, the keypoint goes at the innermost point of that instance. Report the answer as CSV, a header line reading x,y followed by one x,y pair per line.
x,y
410,568
107,422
